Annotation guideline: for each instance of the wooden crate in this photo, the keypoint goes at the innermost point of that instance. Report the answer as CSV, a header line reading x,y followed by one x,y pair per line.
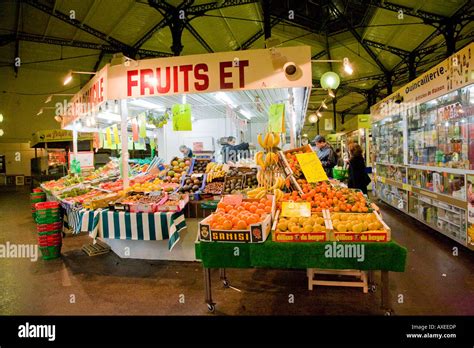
x,y
360,278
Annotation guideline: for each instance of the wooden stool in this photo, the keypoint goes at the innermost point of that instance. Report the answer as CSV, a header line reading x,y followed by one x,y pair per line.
x,y
359,282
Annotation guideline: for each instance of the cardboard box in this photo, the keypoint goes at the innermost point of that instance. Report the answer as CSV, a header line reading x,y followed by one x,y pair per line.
x,y
175,207
296,237
258,233
383,235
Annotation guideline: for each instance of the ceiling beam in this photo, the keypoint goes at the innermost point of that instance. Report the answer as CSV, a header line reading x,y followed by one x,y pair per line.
x,y
319,55
391,49
198,37
84,44
428,17
350,108
160,25
199,10
358,37
251,40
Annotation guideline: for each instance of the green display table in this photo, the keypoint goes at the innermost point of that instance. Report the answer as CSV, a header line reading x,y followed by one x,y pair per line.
x,y
382,257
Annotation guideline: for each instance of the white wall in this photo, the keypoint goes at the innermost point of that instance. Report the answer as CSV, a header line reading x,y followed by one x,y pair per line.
x,y
22,167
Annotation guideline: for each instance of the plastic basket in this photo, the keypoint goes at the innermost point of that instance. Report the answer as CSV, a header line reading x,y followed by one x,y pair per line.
x,y
340,174
41,219
50,252
46,205
211,205
56,226
52,239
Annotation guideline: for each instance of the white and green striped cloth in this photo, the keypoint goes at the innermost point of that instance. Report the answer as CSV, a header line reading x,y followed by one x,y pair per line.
x,y
141,226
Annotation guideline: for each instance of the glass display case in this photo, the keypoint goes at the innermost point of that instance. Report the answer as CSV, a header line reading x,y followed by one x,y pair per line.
x,y
439,130
387,137
392,195
396,173
450,184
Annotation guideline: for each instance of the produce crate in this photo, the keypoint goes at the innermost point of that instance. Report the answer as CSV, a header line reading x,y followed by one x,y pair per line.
x,y
228,180
48,228
51,239
284,161
258,233
298,237
193,165
165,207
196,195
380,235
50,252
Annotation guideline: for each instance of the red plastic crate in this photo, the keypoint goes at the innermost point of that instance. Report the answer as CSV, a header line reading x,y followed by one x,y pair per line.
x,y
49,227
46,205
50,240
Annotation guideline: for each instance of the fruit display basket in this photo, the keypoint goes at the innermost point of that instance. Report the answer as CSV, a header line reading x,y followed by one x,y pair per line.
x,y
357,227
304,229
193,185
199,165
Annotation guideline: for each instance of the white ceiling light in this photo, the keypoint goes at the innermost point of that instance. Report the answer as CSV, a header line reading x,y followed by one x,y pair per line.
x,y
39,112
246,113
78,125
323,104
319,114
347,66
313,118
223,97
331,93
146,104
48,99
1,118
109,116
1,132
68,78
183,99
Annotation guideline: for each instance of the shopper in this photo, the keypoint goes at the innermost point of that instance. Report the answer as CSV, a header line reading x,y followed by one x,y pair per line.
x,y
186,151
326,154
358,177
340,160
232,153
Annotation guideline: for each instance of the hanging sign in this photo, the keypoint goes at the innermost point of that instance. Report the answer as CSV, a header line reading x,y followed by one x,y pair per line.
x,y
134,130
296,209
276,118
182,117
84,159
108,137
311,166
116,135
140,145
142,125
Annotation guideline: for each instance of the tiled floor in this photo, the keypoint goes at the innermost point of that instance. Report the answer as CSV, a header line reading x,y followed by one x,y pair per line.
x,y
435,282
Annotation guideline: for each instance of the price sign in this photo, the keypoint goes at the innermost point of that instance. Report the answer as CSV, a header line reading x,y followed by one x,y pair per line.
x,y
296,209
406,187
232,199
311,166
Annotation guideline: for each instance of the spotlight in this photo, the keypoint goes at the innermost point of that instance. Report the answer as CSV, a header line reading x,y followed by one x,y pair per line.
x,y
48,99
323,104
319,114
39,112
347,66
68,78
313,118
331,93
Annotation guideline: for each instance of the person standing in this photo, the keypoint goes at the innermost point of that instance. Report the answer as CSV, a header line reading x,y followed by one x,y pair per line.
x,y
186,151
231,152
358,177
340,160
326,154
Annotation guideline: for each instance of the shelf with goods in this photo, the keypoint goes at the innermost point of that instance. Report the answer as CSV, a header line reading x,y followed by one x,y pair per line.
x,y
434,166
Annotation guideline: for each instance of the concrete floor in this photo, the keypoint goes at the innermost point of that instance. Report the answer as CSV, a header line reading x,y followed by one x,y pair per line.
x,y
435,281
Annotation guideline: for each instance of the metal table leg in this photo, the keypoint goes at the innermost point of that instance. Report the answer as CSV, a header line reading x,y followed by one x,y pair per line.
x,y
223,277
386,303
371,281
211,306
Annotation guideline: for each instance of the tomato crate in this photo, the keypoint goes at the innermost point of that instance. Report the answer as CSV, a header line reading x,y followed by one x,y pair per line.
x,y
50,252
50,239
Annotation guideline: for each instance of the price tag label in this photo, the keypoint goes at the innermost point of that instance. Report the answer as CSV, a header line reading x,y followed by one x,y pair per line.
x,y
311,166
406,187
296,209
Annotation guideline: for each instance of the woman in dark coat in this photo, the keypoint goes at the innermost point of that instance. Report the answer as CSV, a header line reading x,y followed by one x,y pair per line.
x,y
358,177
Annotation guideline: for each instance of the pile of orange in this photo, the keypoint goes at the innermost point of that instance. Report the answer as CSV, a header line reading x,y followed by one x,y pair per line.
x,y
324,196
240,217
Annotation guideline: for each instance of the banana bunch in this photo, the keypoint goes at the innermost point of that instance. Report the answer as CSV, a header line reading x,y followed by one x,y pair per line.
x,y
214,171
257,193
270,140
279,183
278,194
259,159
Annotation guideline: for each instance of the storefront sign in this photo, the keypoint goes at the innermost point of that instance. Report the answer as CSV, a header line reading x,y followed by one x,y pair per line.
x,y
455,72
56,135
242,70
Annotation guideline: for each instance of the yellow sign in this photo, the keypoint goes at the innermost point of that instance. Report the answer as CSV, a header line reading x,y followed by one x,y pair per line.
x,y
406,187
55,135
311,166
364,121
296,209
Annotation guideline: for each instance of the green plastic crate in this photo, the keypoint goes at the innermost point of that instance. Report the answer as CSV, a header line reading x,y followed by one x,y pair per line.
x,y
50,252
340,174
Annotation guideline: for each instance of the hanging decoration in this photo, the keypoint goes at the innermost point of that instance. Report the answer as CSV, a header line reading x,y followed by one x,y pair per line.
x,y
158,120
142,125
134,130
276,118
182,117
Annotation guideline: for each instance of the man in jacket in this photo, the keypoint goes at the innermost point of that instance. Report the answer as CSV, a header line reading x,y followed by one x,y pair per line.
x,y
326,154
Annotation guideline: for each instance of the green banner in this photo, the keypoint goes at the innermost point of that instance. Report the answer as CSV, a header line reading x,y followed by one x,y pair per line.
x,y
142,125
182,117
276,118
